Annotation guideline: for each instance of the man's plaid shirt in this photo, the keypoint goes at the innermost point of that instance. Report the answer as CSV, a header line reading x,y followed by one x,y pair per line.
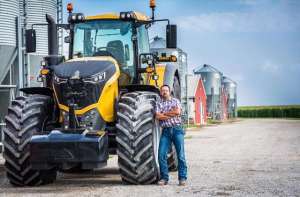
x,y
163,106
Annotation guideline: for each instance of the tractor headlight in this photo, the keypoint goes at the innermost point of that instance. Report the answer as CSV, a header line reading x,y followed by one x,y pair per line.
x,y
95,78
76,18
123,15
127,16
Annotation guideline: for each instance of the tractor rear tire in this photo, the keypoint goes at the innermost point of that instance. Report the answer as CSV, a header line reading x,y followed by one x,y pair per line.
x,y
137,138
27,116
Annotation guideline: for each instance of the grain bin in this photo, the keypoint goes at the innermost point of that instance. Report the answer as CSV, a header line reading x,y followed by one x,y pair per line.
x,y
212,79
33,12
230,88
9,10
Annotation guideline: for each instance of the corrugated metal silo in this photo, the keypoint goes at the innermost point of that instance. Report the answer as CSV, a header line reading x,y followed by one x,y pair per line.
x,y
9,10
231,90
35,11
212,79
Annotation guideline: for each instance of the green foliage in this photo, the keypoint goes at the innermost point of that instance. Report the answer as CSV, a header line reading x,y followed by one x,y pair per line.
x,y
280,111
211,121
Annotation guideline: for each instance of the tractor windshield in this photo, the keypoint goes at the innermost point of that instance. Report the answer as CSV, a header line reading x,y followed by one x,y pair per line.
x,y
105,38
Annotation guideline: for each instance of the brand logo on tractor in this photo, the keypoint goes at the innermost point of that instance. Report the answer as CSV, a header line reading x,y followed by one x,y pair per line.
x,y
76,75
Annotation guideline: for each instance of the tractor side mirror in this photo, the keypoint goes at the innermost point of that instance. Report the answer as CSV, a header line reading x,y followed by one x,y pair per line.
x,y
171,36
30,40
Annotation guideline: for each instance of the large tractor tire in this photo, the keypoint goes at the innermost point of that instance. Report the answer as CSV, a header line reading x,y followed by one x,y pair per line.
x,y
138,138
27,116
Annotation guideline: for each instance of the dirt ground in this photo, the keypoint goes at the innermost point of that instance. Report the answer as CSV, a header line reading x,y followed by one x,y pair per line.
x,y
251,157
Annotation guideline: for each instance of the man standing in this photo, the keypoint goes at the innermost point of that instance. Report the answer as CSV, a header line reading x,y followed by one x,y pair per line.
x,y
168,111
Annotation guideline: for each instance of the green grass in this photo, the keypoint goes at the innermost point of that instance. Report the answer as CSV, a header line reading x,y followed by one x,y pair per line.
x,y
211,121
278,111
188,137
190,126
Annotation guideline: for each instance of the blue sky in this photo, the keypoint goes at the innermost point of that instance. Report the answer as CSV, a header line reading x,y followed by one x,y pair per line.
x,y
254,42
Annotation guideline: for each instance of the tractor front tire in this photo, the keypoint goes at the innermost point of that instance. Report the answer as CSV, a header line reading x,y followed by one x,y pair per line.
x,y
138,136
27,116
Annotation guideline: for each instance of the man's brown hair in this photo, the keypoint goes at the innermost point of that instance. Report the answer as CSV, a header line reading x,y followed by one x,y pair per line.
x,y
165,85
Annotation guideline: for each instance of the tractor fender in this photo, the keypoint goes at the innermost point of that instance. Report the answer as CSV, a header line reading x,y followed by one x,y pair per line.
x,y
171,71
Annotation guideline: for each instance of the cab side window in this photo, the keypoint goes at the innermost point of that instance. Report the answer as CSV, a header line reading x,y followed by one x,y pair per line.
x,y
143,41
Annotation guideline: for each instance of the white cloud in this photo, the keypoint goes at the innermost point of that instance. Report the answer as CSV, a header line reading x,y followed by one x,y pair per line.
x,y
270,68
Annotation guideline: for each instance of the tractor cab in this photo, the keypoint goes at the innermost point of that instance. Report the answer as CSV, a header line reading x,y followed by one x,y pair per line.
x,y
121,36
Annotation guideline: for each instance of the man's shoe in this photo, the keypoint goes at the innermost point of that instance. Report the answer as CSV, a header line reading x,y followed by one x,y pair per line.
x,y
162,182
182,182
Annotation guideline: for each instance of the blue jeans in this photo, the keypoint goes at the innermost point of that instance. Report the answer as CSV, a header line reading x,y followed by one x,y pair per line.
x,y
169,135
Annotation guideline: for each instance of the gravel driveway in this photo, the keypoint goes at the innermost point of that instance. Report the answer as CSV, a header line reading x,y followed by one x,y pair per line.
x,y
251,157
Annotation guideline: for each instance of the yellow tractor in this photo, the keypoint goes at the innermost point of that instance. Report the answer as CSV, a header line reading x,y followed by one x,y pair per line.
x,y
100,101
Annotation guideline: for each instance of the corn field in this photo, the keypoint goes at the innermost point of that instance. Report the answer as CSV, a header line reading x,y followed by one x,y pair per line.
x,y
284,111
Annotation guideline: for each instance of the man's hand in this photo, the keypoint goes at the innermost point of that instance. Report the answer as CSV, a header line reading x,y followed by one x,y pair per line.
x,y
161,116
174,112
166,115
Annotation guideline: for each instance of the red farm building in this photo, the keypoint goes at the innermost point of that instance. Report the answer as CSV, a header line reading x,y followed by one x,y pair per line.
x,y
196,100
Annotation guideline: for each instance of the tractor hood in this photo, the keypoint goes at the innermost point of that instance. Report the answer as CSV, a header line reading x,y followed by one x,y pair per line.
x,y
84,68
82,81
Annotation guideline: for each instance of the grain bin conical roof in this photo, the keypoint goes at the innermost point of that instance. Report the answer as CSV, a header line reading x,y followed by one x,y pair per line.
x,y
158,42
206,68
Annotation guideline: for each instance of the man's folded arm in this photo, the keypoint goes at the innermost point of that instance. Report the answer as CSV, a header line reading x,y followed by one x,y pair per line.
x,y
161,116
174,112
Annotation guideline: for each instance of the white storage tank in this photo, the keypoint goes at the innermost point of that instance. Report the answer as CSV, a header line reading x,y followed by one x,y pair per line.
x,y
230,88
